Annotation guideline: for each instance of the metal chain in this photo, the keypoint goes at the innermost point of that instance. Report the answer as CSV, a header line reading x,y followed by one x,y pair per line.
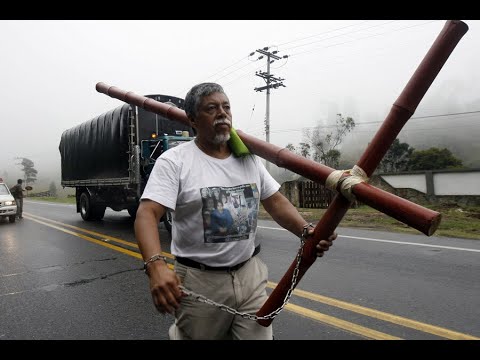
x,y
273,314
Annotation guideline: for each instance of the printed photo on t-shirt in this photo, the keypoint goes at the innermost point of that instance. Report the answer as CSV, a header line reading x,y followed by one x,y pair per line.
x,y
229,213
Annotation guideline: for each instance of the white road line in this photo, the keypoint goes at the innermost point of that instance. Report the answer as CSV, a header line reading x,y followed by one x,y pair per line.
x,y
388,241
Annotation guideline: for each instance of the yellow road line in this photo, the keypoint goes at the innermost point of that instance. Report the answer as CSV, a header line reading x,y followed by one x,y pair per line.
x,y
120,241
426,328
435,330
341,324
88,238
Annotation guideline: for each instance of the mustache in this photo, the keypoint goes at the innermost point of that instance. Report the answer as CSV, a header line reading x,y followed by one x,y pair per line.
x,y
222,122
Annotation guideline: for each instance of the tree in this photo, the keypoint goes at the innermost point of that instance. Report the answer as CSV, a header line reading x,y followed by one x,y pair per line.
x,y
52,189
305,149
324,144
332,158
30,174
433,159
291,147
397,157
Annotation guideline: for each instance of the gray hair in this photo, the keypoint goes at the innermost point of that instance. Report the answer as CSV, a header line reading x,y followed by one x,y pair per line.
x,y
196,94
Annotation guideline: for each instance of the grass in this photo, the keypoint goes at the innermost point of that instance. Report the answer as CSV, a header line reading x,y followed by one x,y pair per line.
x,y
456,221
63,200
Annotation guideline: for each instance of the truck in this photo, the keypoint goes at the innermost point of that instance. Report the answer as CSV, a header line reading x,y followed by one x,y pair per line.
x,y
109,158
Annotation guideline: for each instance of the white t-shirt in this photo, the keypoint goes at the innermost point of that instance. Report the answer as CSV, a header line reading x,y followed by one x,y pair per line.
x,y
193,185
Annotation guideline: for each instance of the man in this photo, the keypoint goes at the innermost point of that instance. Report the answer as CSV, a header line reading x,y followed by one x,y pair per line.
x,y
17,192
225,270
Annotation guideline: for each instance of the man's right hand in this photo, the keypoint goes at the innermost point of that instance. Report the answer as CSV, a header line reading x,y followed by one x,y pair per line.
x,y
164,287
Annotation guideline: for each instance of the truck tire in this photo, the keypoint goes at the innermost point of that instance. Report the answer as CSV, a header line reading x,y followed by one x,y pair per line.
x,y
88,211
167,221
98,212
11,218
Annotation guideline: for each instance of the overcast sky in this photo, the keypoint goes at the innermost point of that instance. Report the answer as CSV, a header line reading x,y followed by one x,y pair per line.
x,y
49,70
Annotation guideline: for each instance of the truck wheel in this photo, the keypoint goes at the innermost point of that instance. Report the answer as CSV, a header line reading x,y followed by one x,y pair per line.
x,y
11,218
88,211
98,212
167,221
85,207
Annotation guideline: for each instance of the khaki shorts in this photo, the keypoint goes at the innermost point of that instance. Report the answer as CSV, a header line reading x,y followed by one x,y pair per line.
x,y
243,289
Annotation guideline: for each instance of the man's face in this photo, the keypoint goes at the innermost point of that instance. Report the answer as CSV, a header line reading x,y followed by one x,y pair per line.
x,y
214,118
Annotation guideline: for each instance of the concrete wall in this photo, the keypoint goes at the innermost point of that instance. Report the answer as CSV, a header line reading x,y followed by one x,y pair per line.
x,y
412,181
441,186
452,187
466,183
445,182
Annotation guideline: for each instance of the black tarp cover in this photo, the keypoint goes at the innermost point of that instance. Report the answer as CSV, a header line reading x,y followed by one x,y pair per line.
x,y
98,148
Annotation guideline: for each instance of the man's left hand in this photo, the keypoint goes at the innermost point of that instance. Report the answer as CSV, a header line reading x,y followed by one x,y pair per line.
x,y
323,245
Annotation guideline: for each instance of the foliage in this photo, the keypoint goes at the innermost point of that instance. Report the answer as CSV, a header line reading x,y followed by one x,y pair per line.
x,y
333,157
291,147
433,159
305,149
62,200
324,143
30,174
397,157
52,189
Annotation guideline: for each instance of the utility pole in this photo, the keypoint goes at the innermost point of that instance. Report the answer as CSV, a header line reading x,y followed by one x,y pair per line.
x,y
272,82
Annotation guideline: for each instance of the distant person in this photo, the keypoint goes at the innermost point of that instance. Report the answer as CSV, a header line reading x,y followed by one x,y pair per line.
x,y
17,192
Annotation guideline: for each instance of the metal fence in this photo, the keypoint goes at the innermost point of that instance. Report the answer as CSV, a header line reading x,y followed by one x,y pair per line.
x,y
314,195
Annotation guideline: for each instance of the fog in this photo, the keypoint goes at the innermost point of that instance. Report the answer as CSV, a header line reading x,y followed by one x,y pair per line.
x,y
49,69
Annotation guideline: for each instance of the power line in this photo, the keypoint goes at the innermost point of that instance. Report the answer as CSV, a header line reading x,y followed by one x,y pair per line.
x,y
323,33
347,33
451,114
381,121
362,38
223,69
312,50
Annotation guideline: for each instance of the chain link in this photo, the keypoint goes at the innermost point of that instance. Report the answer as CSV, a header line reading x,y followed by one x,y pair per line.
x,y
273,314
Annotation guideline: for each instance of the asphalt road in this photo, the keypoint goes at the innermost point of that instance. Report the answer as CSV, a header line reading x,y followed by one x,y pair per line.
x,y
63,278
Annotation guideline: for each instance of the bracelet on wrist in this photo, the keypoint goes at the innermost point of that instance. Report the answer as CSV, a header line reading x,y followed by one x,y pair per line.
x,y
152,259
305,230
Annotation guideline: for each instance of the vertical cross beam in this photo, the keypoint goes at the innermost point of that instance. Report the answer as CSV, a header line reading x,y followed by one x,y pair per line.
x,y
401,111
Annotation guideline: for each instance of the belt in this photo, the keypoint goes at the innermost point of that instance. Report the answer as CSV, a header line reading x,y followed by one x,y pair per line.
x,y
197,265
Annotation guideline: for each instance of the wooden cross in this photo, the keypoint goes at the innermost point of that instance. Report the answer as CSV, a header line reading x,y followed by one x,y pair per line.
x,y
345,182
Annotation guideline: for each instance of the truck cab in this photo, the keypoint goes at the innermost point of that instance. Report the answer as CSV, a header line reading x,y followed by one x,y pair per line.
x,y
150,150
8,206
